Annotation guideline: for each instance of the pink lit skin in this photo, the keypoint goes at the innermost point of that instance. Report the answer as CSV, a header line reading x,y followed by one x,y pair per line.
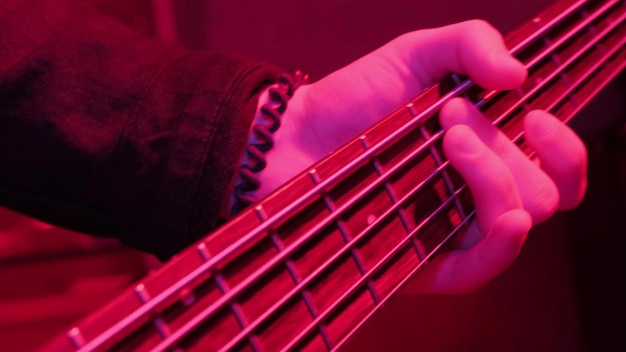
x,y
512,193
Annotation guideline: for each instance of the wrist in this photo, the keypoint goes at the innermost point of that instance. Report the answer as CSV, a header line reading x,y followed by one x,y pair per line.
x,y
271,107
291,153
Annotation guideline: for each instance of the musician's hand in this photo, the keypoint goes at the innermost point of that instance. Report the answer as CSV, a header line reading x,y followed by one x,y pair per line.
x,y
511,192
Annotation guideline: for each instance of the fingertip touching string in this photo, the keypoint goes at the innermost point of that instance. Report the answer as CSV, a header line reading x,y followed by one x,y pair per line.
x,y
262,139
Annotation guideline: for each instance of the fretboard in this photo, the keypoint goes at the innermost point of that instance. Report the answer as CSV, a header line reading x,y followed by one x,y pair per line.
x,y
305,267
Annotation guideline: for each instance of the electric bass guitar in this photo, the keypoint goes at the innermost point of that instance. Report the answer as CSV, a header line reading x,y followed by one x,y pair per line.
x,y
304,268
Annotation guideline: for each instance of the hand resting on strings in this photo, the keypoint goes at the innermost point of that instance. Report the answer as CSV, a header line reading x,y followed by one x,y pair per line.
x,y
511,192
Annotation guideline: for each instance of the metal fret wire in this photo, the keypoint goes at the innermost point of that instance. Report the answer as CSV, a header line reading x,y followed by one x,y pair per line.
x,y
547,42
295,276
223,286
158,322
354,252
236,310
564,95
574,31
394,198
593,31
543,83
557,60
306,296
307,196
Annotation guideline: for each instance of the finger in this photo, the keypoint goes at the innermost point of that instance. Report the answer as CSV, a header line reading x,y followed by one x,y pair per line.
x,y
489,179
561,153
473,48
538,191
464,271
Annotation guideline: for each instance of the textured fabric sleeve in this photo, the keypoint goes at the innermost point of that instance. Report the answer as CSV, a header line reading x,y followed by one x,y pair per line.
x,y
110,133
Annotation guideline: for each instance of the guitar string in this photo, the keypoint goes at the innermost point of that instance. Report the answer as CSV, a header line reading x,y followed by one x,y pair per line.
x,y
571,60
155,299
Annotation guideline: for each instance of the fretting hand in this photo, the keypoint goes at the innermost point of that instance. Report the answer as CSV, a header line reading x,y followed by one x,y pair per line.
x,y
511,192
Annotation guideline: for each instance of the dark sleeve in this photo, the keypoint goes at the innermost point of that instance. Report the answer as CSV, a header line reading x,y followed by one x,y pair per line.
x,y
107,132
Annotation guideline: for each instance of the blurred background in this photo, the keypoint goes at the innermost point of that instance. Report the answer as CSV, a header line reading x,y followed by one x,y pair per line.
x,y
565,293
